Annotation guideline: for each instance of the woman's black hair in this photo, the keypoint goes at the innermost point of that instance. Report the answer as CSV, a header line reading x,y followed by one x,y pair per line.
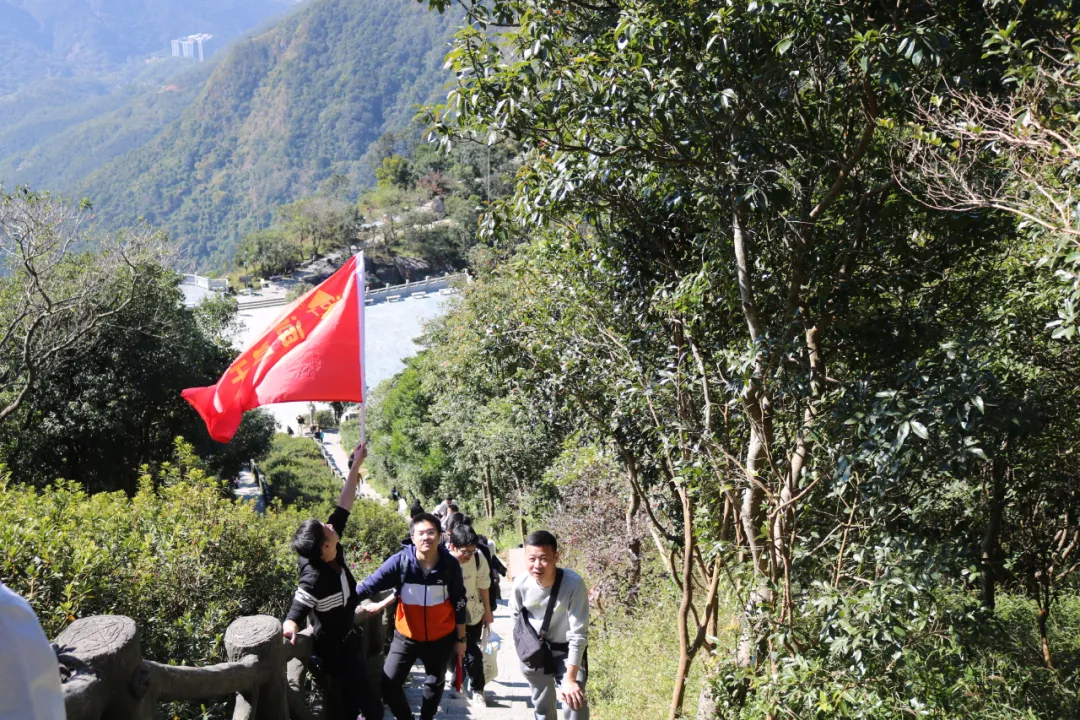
x,y
309,539
462,536
452,521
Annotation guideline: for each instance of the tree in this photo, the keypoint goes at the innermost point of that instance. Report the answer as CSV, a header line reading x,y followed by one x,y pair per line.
x,y
1017,151
271,252
119,407
720,247
395,171
324,222
61,286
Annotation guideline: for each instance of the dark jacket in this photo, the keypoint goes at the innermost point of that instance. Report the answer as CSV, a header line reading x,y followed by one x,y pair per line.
x,y
429,606
331,595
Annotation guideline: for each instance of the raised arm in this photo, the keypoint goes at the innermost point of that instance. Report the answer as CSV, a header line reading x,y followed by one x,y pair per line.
x,y
348,491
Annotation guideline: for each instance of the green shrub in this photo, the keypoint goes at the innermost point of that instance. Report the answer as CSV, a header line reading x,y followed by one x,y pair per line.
x,y
374,533
953,661
179,558
325,418
297,474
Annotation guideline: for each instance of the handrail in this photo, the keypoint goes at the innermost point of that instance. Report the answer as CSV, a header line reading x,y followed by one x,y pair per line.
x,y
107,677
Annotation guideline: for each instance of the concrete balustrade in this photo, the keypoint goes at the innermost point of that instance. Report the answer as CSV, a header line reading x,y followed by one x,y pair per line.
x,y
107,678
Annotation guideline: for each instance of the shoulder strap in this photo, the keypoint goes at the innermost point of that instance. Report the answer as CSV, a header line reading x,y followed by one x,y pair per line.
x,y
403,568
551,602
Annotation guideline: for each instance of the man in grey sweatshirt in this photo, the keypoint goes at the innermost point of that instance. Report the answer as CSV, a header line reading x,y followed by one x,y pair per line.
x,y
567,635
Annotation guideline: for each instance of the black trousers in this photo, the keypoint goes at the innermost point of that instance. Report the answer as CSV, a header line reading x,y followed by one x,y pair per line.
x,y
349,694
474,659
404,652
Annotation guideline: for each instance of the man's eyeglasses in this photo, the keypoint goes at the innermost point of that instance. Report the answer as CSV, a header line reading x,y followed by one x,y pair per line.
x,y
426,533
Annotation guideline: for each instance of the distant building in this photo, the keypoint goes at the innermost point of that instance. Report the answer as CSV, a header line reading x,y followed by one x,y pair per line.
x,y
190,46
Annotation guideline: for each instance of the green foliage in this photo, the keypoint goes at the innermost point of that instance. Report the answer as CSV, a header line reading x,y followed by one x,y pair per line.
x,y
834,400
952,662
633,655
298,475
299,478
268,252
403,450
325,418
298,290
375,532
395,171
178,557
106,399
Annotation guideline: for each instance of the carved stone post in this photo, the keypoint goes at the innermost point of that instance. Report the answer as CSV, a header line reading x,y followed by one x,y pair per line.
x,y
260,635
102,652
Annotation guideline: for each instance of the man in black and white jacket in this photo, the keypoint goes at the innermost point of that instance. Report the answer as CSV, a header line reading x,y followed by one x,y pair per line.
x,y
327,590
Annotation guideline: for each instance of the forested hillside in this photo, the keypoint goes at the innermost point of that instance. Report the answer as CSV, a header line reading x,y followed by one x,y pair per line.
x,y
282,112
63,134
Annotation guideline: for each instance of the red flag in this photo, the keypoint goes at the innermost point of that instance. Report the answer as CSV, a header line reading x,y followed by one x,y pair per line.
x,y
312,352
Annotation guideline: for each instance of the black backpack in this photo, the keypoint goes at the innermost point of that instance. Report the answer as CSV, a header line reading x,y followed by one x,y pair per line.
x,y
532,648
494,591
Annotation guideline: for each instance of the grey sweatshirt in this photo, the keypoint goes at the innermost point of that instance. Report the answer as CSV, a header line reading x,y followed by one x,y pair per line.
x,y
569,620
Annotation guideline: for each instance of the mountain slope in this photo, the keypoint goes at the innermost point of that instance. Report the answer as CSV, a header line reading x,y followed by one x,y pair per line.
x,y
41,38
282,112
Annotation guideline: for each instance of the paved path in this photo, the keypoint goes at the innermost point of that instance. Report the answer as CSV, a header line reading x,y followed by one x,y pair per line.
x,y
509,693
248,490
340,456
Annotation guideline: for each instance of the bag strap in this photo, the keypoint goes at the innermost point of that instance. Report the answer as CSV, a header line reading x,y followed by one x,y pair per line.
x,y
403,567
551,602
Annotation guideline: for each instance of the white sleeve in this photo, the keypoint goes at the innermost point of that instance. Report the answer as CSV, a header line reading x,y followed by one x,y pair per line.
x,y
29,673
483,572
577,609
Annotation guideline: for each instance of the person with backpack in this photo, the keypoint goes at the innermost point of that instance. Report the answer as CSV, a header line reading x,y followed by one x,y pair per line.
x,y
416,508
431,612
487,547
326,592
550,610
476,576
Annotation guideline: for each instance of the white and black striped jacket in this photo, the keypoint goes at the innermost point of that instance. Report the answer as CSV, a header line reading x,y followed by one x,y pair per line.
x,y
331,595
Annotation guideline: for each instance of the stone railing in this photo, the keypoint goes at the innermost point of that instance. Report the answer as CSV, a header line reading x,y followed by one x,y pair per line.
x,y
107,678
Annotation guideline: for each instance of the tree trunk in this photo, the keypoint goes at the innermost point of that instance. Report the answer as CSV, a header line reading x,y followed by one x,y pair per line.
x,y
753,519
521,509
633,544
686,654
991,541
1044,615
489,493
707,707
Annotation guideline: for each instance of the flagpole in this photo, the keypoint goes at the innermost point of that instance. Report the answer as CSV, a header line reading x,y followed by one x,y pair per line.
x,y
360,311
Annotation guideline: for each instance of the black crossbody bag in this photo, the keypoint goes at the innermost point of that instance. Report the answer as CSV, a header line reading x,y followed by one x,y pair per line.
x,y
531,646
